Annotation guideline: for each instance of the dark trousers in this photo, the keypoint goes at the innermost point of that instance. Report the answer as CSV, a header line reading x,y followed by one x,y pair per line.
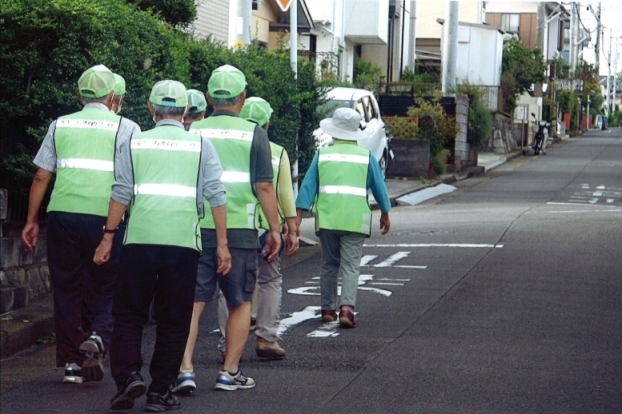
x,y
83,291
167,275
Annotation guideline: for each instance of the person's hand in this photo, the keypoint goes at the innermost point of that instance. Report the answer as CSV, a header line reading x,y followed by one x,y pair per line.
x,y
224,260
273,245
291,241
102,253
385,223
30,236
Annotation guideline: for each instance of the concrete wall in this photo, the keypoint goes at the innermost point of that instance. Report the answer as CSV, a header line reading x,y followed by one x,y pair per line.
x,y
23,275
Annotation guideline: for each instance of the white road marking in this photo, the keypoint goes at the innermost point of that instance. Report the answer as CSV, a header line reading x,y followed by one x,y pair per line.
x,y
593,201
295,318
391,260
383,292
305,291
365,260
584,211
610,200
600,187
585,186
597,194
550,203
397,280
386,284
465,245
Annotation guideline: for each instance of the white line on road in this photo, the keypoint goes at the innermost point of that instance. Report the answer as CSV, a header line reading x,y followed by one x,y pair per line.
x,y
465,245
391,260
295,318
584,211
368,258
386,284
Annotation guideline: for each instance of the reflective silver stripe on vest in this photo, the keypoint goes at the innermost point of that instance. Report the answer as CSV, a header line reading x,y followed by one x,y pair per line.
x,y
224,134
87,123
276,160
172,190
358,159
235,177
166,144
85,164
343,189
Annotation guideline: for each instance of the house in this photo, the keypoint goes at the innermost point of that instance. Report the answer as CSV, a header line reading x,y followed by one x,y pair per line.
x,y
538,25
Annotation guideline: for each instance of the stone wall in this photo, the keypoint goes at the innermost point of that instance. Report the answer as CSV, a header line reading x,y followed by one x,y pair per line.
x,y
23,275
508,135
465,155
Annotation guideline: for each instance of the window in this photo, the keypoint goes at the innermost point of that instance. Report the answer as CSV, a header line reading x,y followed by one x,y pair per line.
x,y
360,108
510,22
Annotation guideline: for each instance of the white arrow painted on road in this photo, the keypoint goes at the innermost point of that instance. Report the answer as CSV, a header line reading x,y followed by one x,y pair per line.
x,y
295,318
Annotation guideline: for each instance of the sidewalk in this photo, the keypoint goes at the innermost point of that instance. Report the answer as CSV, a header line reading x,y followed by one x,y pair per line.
x,y
34,324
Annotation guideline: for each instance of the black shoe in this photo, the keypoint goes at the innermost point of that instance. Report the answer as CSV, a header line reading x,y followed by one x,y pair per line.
x,y
132,388
157,403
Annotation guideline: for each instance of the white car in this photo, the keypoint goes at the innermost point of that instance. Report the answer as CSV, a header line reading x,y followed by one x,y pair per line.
x,y
364,102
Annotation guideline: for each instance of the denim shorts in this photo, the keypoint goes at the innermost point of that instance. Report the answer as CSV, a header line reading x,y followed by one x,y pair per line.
x,y
237,285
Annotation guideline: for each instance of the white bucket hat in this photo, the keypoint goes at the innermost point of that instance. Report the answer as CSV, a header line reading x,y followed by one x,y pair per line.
x,y
343,125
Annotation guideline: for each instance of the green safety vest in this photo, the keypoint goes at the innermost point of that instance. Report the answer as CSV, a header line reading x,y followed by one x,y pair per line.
x,y
85,150
341,202
277,155
232,138
165,164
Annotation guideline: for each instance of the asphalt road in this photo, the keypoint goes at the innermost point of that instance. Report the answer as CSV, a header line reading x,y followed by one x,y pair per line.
x,y
504,296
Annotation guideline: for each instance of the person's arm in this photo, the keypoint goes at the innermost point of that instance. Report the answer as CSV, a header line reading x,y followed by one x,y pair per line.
x,y
379,190
115,214
219,214
285,198
30,233
261,173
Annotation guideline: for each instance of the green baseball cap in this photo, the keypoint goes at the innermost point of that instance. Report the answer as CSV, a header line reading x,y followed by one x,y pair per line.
x,y
169,93
196,101
96,82
119,85
257,110
226,82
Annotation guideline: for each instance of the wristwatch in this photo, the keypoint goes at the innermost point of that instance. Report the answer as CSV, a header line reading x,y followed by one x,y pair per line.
x,y
112,231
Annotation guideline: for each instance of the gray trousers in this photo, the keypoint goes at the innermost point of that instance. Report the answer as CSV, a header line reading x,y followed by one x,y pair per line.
x,y
341,254
266,304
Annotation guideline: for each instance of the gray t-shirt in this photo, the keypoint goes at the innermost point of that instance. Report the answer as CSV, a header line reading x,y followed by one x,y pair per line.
x,y
260,171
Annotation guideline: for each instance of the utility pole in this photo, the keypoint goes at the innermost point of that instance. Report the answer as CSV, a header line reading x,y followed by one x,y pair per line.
x,y
293,58
411,36
598,30
574,30
615,73
450,48
609,74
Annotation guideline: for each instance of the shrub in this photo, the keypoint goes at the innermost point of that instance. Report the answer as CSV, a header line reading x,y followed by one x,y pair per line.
x,y
402,127
480,119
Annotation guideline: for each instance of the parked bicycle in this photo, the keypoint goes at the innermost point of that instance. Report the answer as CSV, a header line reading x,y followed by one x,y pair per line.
x,y
538,144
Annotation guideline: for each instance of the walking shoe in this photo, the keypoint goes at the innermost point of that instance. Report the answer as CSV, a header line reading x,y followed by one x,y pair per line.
x,y
329,315
128,391
93,349
253,324
73,374
185,383
157,403
347,319
227,382
267,349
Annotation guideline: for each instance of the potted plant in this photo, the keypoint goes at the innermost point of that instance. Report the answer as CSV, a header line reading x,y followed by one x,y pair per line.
x,y
411,152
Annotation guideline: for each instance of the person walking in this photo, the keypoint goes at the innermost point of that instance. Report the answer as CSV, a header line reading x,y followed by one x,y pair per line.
x,y
164,175
266,302
244,152
196,107
81,149
336,186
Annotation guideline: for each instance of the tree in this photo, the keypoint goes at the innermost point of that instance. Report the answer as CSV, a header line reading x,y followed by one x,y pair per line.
x,y
178,13
521,67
